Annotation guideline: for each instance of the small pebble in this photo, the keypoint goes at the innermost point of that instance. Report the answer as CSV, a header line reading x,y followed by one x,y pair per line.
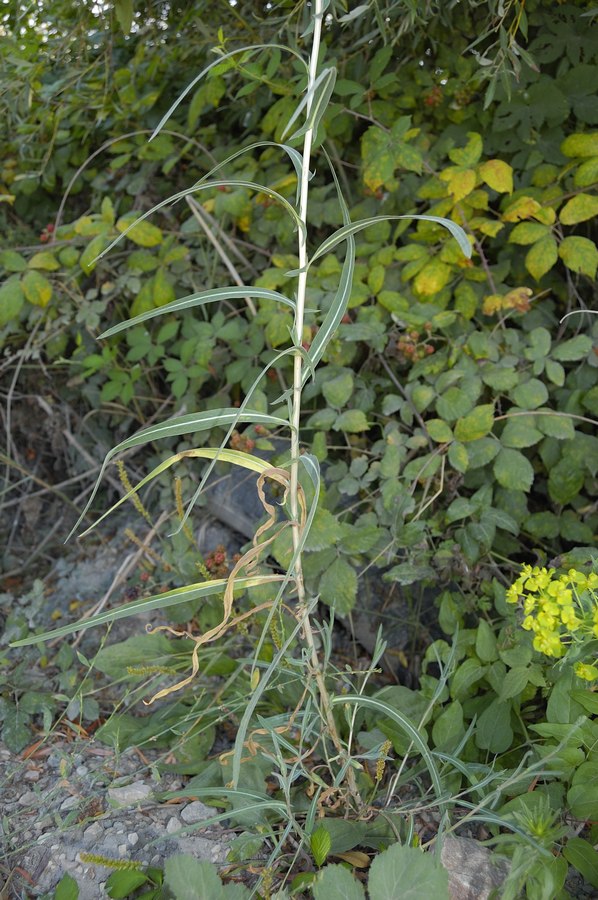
x,y
133,838
122,849
31,775
28,798
69,803
130,793
81,770
173,825
196,812
93,831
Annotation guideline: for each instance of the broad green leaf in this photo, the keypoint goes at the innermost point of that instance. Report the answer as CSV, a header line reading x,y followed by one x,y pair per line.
x,y
583,856
530,394
493,728
498,175
513,683
579,209
565,480
485,643
162,288
338,586
67,888
408,873
579,254
120,885
477,424
580,145
338,390
458,457
439,431
518,433
409,573
582,797
465,678
541,257
542,525
383,151
449,727
12,261
124,10
335,882
557,426
454,403
37,288
12,299
513,470
574,349
44,260
352,420
587,173
142,233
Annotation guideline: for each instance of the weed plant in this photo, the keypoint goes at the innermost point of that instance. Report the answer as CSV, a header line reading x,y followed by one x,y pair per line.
x,y
333,782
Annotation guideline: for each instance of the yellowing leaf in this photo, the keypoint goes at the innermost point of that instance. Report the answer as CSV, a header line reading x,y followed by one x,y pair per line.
x,y
580,255
527,233
37,288
521,208
476,425
87,260
439,431
461,182
517,299
498,175
470,154
163,288
492,304
587,173
144,234
580,145
579,209
11,300
44,260
546,215
541,257
432,278
487,226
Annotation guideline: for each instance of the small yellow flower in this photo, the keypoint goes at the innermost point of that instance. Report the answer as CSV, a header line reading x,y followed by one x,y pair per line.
x,y
588,673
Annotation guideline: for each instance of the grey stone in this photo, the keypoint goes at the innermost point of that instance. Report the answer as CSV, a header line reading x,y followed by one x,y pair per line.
x,y
93,832
173,825
473,874
69,803
196,812
130,793
133,838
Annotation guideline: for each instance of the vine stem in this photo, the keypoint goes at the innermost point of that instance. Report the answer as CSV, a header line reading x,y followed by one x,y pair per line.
x,y
326,705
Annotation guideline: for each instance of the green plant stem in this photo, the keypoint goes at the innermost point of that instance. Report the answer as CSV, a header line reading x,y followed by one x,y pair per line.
x,y
326,704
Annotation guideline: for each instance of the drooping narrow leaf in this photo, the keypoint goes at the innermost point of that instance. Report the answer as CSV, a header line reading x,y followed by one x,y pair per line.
x,y
180,425
200,299
315,101
253,48
156,601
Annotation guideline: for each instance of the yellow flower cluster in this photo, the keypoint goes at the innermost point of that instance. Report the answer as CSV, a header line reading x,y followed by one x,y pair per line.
x,y
556,608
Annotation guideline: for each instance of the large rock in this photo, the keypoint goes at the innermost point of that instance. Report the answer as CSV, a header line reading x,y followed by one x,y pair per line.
x,y
473,874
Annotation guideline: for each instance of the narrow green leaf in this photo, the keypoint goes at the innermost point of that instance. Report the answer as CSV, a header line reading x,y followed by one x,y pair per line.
x,y
213,296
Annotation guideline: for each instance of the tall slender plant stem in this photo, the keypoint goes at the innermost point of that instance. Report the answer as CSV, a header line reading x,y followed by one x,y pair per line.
x,y
326,705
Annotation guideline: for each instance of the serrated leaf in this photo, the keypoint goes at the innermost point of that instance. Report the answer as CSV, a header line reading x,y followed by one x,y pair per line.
x,y
470,153
44,260
530,394
498,175
418,874
67,888
557,426
454,403
144,234
579,209
579,255
541,257
408,573
461,182
439,431
339,389
477,424
320,843
12,261
325,530
12,299
574,349
513,470
36,288
189,879
565,480
352,420
580,145
336,883
517,433
338,586
458,457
